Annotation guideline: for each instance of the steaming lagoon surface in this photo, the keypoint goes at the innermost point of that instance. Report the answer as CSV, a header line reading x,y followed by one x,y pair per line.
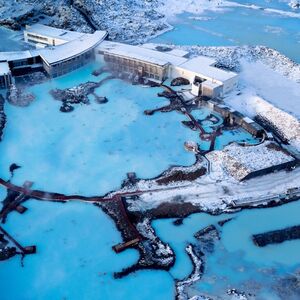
x,y
90,150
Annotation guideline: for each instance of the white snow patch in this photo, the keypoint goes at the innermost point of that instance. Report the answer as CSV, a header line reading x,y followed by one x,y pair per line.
x,y
272,86
238,161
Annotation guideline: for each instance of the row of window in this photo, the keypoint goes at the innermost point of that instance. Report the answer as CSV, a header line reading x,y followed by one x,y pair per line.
x,y
5,81
34,36
152,73
133,63
82,57
67,69
127,69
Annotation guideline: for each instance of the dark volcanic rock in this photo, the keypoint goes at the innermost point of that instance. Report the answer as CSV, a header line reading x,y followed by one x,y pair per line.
x,y
207,238
2,116
66,108
101,100
288,287
223,222
180,81
178,222
276,236
6,251
13,167
79,94
209,230
167,94
180,175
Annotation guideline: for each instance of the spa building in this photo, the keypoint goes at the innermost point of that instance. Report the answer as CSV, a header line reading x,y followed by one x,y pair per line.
x,y
58,51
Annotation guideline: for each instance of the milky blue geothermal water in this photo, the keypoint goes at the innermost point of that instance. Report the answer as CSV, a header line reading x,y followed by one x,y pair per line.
x,y
236,262
90,150
74,259
227,136
237,26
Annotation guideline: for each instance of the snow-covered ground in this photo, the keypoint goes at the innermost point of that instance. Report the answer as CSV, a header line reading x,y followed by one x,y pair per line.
x,y
238,161
130,20
211,195
172,8
249,103
269,85
276,88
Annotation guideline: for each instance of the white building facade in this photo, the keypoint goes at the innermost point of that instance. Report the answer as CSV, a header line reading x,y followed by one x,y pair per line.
x,y
60,51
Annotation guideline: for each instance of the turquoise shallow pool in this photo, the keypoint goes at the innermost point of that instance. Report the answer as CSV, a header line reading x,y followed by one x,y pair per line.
x,y
90,150
228,135
237,26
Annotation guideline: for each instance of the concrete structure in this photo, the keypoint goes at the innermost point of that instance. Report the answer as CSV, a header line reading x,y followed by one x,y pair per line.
x,y
233,117
72,55
206,79
73,50
147,62
5,75
137,60
46,35
60,51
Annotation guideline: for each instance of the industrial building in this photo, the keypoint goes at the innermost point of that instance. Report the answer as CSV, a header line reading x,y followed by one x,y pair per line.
x,y
206,79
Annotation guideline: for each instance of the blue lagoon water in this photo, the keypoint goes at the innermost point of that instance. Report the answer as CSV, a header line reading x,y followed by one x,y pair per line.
x,y
90,149
236,262
74,258
237,26
228,135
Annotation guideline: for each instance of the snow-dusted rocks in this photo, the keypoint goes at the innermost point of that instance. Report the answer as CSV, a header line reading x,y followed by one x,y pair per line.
x,y
294,4
285,124
232,57
17,97
241,162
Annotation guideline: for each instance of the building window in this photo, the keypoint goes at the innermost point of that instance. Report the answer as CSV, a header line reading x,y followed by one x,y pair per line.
x,y
34,36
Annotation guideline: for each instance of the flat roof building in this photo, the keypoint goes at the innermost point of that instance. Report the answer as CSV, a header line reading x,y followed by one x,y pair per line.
x,y
60,51
146,61
39,33
71,51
